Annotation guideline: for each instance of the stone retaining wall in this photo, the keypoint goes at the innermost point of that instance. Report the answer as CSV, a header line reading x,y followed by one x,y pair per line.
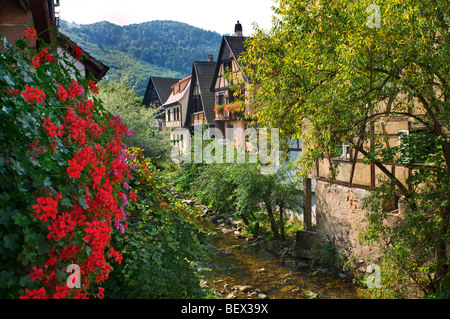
x,y
340,220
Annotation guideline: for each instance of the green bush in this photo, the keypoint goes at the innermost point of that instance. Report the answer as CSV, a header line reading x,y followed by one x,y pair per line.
x,y
161,246
119,97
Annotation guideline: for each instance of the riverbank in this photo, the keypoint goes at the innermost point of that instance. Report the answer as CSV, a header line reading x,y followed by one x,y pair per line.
x,y
244,267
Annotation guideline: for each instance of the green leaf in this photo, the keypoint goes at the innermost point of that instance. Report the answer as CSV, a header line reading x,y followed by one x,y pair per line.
x,y
8,80
82,202
8,110
11,241
66,202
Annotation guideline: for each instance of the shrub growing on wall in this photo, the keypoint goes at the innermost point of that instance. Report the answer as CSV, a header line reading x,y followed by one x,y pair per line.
x,y
62,174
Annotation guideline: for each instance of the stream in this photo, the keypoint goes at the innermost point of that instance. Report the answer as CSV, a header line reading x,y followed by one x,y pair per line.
x,y
242,269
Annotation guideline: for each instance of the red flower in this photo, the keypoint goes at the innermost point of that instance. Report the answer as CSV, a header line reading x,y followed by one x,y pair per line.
x,y
62,93
62,292
31,33
35,294
12,91
44,53
36,61
133,196
46,208
33,94
37,274
75,89
114,253
77,51
74,168
93,86
52,129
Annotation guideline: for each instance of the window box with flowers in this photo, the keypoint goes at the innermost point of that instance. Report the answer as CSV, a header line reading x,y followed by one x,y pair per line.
x,y
235,108
219,110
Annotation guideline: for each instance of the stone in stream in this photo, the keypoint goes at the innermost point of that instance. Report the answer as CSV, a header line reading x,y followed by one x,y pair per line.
x,y
245,288
226,230
261,270
253,294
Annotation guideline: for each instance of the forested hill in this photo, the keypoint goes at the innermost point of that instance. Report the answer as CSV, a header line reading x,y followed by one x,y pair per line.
x,y
156,48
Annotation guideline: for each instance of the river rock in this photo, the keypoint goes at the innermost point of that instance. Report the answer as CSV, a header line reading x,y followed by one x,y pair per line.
x,y
343,276
215,219
243,288
323,270
301,265
231,296
226,230
263,296
310,294
253,294
261,270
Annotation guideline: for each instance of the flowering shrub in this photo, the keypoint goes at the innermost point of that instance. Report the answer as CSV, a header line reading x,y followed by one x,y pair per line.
x,y
162,245
63,176
219,108
235,107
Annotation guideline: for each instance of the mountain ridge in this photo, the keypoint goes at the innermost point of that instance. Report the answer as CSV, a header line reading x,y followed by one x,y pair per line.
x,y
162,48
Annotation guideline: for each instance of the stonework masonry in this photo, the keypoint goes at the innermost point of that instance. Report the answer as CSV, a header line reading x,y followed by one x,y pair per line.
x,y
340,220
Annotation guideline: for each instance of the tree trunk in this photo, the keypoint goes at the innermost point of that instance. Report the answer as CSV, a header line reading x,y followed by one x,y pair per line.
x,y
245,219
442,268
273,224
281,222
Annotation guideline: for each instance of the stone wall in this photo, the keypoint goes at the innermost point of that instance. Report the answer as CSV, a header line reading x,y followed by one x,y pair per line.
x,y
340,220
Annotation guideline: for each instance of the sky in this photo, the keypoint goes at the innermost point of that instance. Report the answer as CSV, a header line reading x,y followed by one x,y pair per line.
x,y
211,15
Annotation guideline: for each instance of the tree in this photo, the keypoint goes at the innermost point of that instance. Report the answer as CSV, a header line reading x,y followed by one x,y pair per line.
x,y
327,72
120,98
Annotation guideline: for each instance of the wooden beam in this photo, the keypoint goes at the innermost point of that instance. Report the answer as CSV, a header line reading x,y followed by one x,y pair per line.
x,y
307,203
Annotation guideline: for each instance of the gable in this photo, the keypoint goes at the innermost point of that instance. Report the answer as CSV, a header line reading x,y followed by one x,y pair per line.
x,y
230,50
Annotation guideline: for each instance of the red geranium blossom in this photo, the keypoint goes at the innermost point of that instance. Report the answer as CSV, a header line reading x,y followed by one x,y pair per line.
x,y
31,33
33,94
45,208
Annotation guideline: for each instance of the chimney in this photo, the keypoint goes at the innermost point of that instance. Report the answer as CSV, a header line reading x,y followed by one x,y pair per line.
x,y
211,58
238,29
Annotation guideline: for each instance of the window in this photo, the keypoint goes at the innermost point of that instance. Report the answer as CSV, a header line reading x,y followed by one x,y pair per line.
x,y
295,145
345,153
221,99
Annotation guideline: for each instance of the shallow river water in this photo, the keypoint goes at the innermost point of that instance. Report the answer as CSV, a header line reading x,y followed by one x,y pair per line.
x,y
235,263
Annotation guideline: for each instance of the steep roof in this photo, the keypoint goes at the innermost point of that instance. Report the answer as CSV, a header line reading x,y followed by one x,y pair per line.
x,y
163,88
92,65
174,98
204,72
236,45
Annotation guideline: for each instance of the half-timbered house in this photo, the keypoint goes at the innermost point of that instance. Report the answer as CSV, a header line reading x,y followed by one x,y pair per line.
x,y
226,114
175,111
201,99
158,91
